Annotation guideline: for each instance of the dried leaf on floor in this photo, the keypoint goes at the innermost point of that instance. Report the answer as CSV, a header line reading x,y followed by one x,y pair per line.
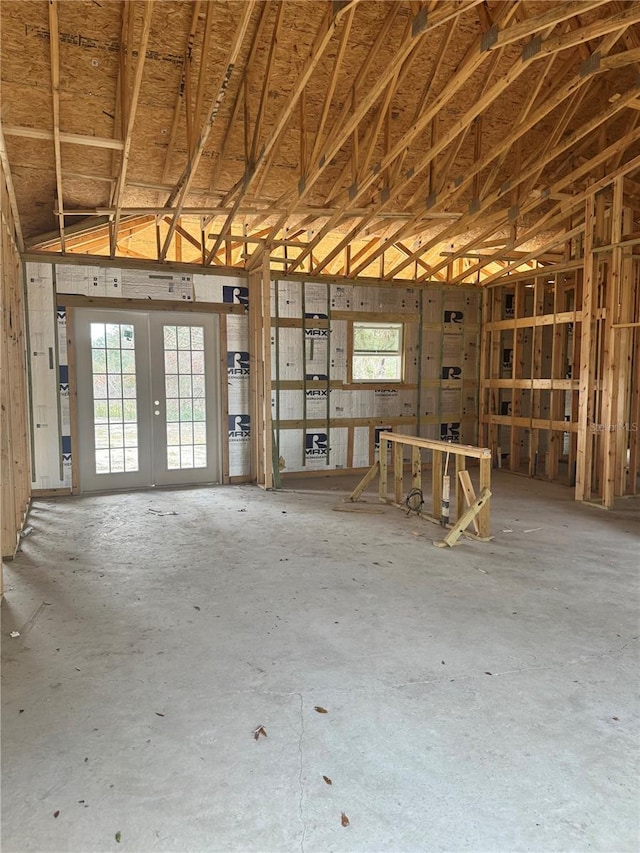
x,y
118,836
344,819
327,780
56,813
259,731
320,709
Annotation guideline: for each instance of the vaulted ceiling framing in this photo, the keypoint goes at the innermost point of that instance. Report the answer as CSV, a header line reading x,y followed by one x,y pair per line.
x,y
451,140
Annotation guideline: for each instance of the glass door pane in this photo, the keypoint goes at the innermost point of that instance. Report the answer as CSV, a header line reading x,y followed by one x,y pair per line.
x,y
115,407
185,393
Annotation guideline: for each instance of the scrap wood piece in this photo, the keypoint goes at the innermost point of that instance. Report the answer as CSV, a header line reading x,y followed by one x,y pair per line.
x,y
464,521
469,494
362,485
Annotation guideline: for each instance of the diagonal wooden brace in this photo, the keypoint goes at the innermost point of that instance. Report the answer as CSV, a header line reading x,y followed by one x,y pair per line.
x,y
464,521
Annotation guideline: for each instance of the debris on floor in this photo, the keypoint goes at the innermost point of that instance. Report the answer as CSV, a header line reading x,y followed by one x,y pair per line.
x,y
320,710
329,782
358,507
26,532
14,634
344,819
160,512
259,731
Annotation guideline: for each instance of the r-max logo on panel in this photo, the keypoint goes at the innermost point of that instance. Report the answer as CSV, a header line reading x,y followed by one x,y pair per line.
x,y
239,426
237,363
237,295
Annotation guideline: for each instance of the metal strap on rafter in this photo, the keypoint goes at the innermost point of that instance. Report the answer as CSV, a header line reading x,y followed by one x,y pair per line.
x,y
489,38
590,65
419,22
531,48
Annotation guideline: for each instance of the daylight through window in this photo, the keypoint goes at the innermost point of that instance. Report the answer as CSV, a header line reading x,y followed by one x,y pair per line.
x,y
377,352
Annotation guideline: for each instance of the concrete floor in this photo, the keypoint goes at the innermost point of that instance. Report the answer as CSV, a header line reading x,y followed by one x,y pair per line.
x,y
478,699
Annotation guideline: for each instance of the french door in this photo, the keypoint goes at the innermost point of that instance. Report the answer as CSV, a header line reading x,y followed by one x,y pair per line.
x,y
148,393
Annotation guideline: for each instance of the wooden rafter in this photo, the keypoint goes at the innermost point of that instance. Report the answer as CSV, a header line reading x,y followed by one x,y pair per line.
x,y
54,47
551,103
181,188
253,51
473,60
320,43
351,114
181,105
132,106
4,160
67,138
560,211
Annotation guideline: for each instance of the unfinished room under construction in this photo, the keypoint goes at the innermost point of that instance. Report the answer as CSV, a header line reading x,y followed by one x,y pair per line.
x,y
320,438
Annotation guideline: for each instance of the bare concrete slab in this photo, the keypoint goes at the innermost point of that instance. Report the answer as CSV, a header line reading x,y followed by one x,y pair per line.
x,y
482,698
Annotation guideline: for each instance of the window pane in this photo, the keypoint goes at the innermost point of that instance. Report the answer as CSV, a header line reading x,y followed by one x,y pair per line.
x,y
377,352
372,368
369,338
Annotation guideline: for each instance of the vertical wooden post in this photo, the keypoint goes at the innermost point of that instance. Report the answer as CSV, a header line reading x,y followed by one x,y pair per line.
x,y
15,470
398,471
436,482
266,357
587,360
461,465
484,518
224,396
483,396
383,456
495,360
536,372
516,374
416,468
610,376
556,402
